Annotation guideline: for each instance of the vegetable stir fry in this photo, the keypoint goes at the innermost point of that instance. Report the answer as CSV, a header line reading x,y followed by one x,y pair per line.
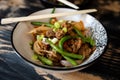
x,y
61,43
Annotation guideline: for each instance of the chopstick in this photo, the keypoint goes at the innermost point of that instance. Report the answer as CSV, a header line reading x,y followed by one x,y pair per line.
x,y
69,4
37,17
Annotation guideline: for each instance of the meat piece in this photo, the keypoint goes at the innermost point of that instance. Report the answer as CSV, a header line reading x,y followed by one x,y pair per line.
x,y
53,20
43,49
73,45
38,46
50,33
79,25
85,50
68,26
59,34
39,30
54,56
88,32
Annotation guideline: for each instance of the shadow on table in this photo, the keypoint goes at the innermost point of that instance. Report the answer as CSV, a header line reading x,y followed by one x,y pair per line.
x,y
14,68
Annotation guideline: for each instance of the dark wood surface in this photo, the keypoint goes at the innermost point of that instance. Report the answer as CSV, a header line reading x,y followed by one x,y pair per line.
x,y
107,67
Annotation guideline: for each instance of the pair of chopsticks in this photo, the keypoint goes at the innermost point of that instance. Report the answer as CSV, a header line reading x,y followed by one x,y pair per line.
x,y
68,4
37,17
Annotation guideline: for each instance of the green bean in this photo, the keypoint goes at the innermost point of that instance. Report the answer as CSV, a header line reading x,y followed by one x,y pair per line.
x,y
65,38
53,11
73,62
41,23
85,39
79,33
62,40
90,40
72,55
45,60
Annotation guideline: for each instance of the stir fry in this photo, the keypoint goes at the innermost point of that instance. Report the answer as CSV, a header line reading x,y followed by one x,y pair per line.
x,y
61,43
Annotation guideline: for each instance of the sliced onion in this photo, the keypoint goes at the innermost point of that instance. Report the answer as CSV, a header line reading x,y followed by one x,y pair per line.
x,y
68,64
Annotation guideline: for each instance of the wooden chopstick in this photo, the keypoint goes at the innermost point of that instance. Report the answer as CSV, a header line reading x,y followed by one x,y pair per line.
x,y
69,4
37,17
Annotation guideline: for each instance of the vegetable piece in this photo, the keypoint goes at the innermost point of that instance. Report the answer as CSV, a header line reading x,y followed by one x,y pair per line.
x,y
79,33
85,39
42,23
54,40
64,29
57,25
79,25
39,37
65,38
53,11
90,40
62,40
45,60
72,55
73,62
35,56
31,44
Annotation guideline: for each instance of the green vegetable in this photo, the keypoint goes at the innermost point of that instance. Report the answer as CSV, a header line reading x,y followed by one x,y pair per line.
x,y
65,38
72,55
45,60
41,23
57,25
39,37
35,56
53,11
90,40
31,44
62,40
73,62
64,29
85,39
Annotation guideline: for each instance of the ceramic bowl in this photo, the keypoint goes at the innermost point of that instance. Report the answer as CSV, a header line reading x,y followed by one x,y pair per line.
x,y
21,39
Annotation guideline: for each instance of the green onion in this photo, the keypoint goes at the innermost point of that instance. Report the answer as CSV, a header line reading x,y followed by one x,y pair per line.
x,y
64,29
57,25
55,29
39,37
